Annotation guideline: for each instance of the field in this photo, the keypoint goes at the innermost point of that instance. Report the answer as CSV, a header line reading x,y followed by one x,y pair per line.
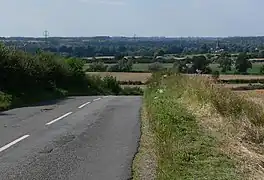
x,y
254,70
122,76
144,67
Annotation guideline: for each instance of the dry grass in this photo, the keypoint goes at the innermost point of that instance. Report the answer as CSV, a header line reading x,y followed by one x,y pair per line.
x,y
230,77
256,96
234,120
123,76
234,85
143,77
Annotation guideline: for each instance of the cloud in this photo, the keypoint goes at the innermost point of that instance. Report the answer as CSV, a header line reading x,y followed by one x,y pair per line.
x,y
106,2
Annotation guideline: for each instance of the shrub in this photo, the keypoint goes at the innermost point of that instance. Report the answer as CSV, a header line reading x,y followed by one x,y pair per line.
x,y
157,66
215,75
97,67
112,84
5,101
132,91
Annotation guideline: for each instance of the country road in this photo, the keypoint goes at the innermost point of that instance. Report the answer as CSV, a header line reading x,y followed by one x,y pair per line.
x,y
80,138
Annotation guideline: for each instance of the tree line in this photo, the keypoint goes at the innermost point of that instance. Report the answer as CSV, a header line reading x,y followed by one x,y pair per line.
x,y
194,64
85,47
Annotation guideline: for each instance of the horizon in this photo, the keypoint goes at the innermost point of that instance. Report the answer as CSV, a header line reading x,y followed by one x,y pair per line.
x,y
167,37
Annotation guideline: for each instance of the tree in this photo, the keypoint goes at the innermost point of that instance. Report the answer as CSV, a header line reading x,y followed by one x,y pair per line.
x,y
262,69
199,63
119,56
159,52
180,66
242,63
123,65
225,62
215,75
97,67
261,54
157,66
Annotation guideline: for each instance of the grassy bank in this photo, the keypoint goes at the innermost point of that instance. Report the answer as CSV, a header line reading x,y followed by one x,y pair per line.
x,y
203,131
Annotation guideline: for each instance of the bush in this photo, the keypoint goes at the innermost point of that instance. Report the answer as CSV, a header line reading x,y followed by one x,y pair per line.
x,y
111,84
49,76
215,75
155,67
5,101
131,83
132,91
97,67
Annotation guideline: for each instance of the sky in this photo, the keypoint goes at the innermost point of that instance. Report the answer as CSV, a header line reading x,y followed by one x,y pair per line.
x,y
170,18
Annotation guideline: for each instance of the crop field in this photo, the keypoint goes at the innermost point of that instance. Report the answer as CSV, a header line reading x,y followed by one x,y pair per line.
x,y
143,77
254,70
215,67
122,76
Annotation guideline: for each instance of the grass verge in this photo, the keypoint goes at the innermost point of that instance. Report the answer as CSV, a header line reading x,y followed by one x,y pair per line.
x,y
203,131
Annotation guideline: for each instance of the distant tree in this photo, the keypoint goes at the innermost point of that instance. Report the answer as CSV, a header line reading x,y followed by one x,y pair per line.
x,y
180,66
225,62
199,63
261,54
203,49
209,56
261,69
159,52
97,67
157,66
215,75
123,65
242,63
119,56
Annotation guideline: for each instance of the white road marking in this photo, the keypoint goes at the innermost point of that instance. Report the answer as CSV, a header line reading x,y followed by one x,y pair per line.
x,y
13,143
97,99
80,107
106,96
55,120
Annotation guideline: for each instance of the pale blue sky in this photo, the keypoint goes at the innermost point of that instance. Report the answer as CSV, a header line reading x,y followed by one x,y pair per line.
x,y
128,17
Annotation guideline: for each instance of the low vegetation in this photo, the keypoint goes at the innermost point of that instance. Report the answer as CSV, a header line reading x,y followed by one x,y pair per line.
x,y
203,131
28,78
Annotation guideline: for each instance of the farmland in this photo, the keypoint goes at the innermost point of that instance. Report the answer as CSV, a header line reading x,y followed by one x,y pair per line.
x,y
123,76
214,66
130,76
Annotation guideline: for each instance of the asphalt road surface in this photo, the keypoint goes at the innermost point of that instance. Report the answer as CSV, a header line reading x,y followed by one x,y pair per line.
x,y
80,138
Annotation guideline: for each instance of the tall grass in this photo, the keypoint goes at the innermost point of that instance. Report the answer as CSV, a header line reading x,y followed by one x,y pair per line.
x,y
187,147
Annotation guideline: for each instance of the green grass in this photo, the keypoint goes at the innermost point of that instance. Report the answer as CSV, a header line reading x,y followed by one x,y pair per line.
x,y
144,67
254,70
215,67
185,148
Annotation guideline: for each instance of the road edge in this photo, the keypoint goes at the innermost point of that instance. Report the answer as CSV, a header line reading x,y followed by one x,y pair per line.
x,y
144,163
